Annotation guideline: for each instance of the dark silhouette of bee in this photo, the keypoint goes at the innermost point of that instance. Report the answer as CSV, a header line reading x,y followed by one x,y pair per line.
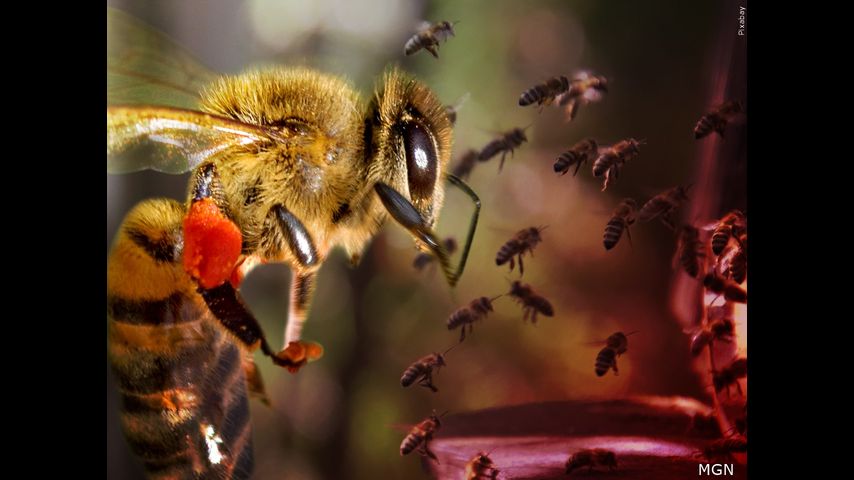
x,y
476,310
524,241
544,93
532,304
721,450
623,217
616,345
419,437
733,224
704,424
582,152
506,143
466,164
584,88
480,467
690,251
730,375
428,38
722,329
664,206
451,110
422,370
424,258
726,287
592,457
611,159
717,119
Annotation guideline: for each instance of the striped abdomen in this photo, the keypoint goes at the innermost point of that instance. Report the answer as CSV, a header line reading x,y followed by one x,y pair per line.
x,y
720,238
461,316
709,123
412,441
613,232
535,304
184,405
544,92
508,251
567,160
603,163
415,43
412,373
606,360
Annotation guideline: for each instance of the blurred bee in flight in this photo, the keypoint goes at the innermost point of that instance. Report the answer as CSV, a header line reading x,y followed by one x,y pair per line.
x,y
524,241
420,435
465,317
690,250
428,37
585,88
452,110
544,93
580,153
423,259
730,375
422,370
273,180
591,457
466,164
717,119
616,345
504,144
664,206
611,159
532,303
622,218
481,467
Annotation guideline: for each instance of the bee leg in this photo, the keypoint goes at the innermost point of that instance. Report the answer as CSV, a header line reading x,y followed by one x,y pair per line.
x,y
254,382
629,236
462,334
501,164
616,371
521,266
512,263
432,49
425,451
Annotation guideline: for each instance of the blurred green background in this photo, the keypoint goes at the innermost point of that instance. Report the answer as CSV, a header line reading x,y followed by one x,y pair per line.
x,y
337,417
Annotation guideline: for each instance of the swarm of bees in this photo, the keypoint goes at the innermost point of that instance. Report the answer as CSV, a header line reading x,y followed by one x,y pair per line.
x,y
590,458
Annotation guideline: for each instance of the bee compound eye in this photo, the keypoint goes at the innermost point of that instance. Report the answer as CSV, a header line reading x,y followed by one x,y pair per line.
x,y
421,161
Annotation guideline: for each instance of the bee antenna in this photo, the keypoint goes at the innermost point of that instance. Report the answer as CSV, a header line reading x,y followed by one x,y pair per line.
x,y
632,332
444,413
449,349
497,297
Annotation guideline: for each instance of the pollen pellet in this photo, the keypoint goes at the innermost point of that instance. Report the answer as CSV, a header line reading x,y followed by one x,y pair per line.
x,y
212,244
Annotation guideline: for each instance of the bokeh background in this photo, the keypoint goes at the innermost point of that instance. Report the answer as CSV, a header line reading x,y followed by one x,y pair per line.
x,y
340,417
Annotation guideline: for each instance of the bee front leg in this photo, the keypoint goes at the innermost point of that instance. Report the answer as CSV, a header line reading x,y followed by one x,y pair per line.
x,y
521,265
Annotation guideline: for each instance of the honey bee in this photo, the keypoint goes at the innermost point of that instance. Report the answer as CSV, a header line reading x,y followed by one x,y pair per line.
x,y
584,88
730,375
422,370
420,435
591,457
423,259
611,159
720,329
544,93
452,110
664,206
733,264
532,304
466,164
524,241
723,448
690,251
717,119
623,217
504,144
428,37
476,310
286,164
481,467
616,345
581,152
732,225
726,287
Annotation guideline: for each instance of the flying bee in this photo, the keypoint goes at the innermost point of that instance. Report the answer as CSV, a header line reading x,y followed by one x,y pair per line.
x,y
591,457
476,310
481,467
622,218
428,37
690,251
730,375
717,119
584,88
466,164
287,163
582,152
524,241
420,435
664,206
611,159
504,144
452,110
544,93
422,370
723,448
733,224
616,345
726,287
423,259
532,303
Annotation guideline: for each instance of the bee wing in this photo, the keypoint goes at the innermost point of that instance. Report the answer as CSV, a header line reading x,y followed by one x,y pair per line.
x,y
171,140
145,67
591,95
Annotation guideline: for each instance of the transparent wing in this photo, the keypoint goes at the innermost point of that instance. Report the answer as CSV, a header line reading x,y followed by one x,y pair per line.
x,y
171,140
145,67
